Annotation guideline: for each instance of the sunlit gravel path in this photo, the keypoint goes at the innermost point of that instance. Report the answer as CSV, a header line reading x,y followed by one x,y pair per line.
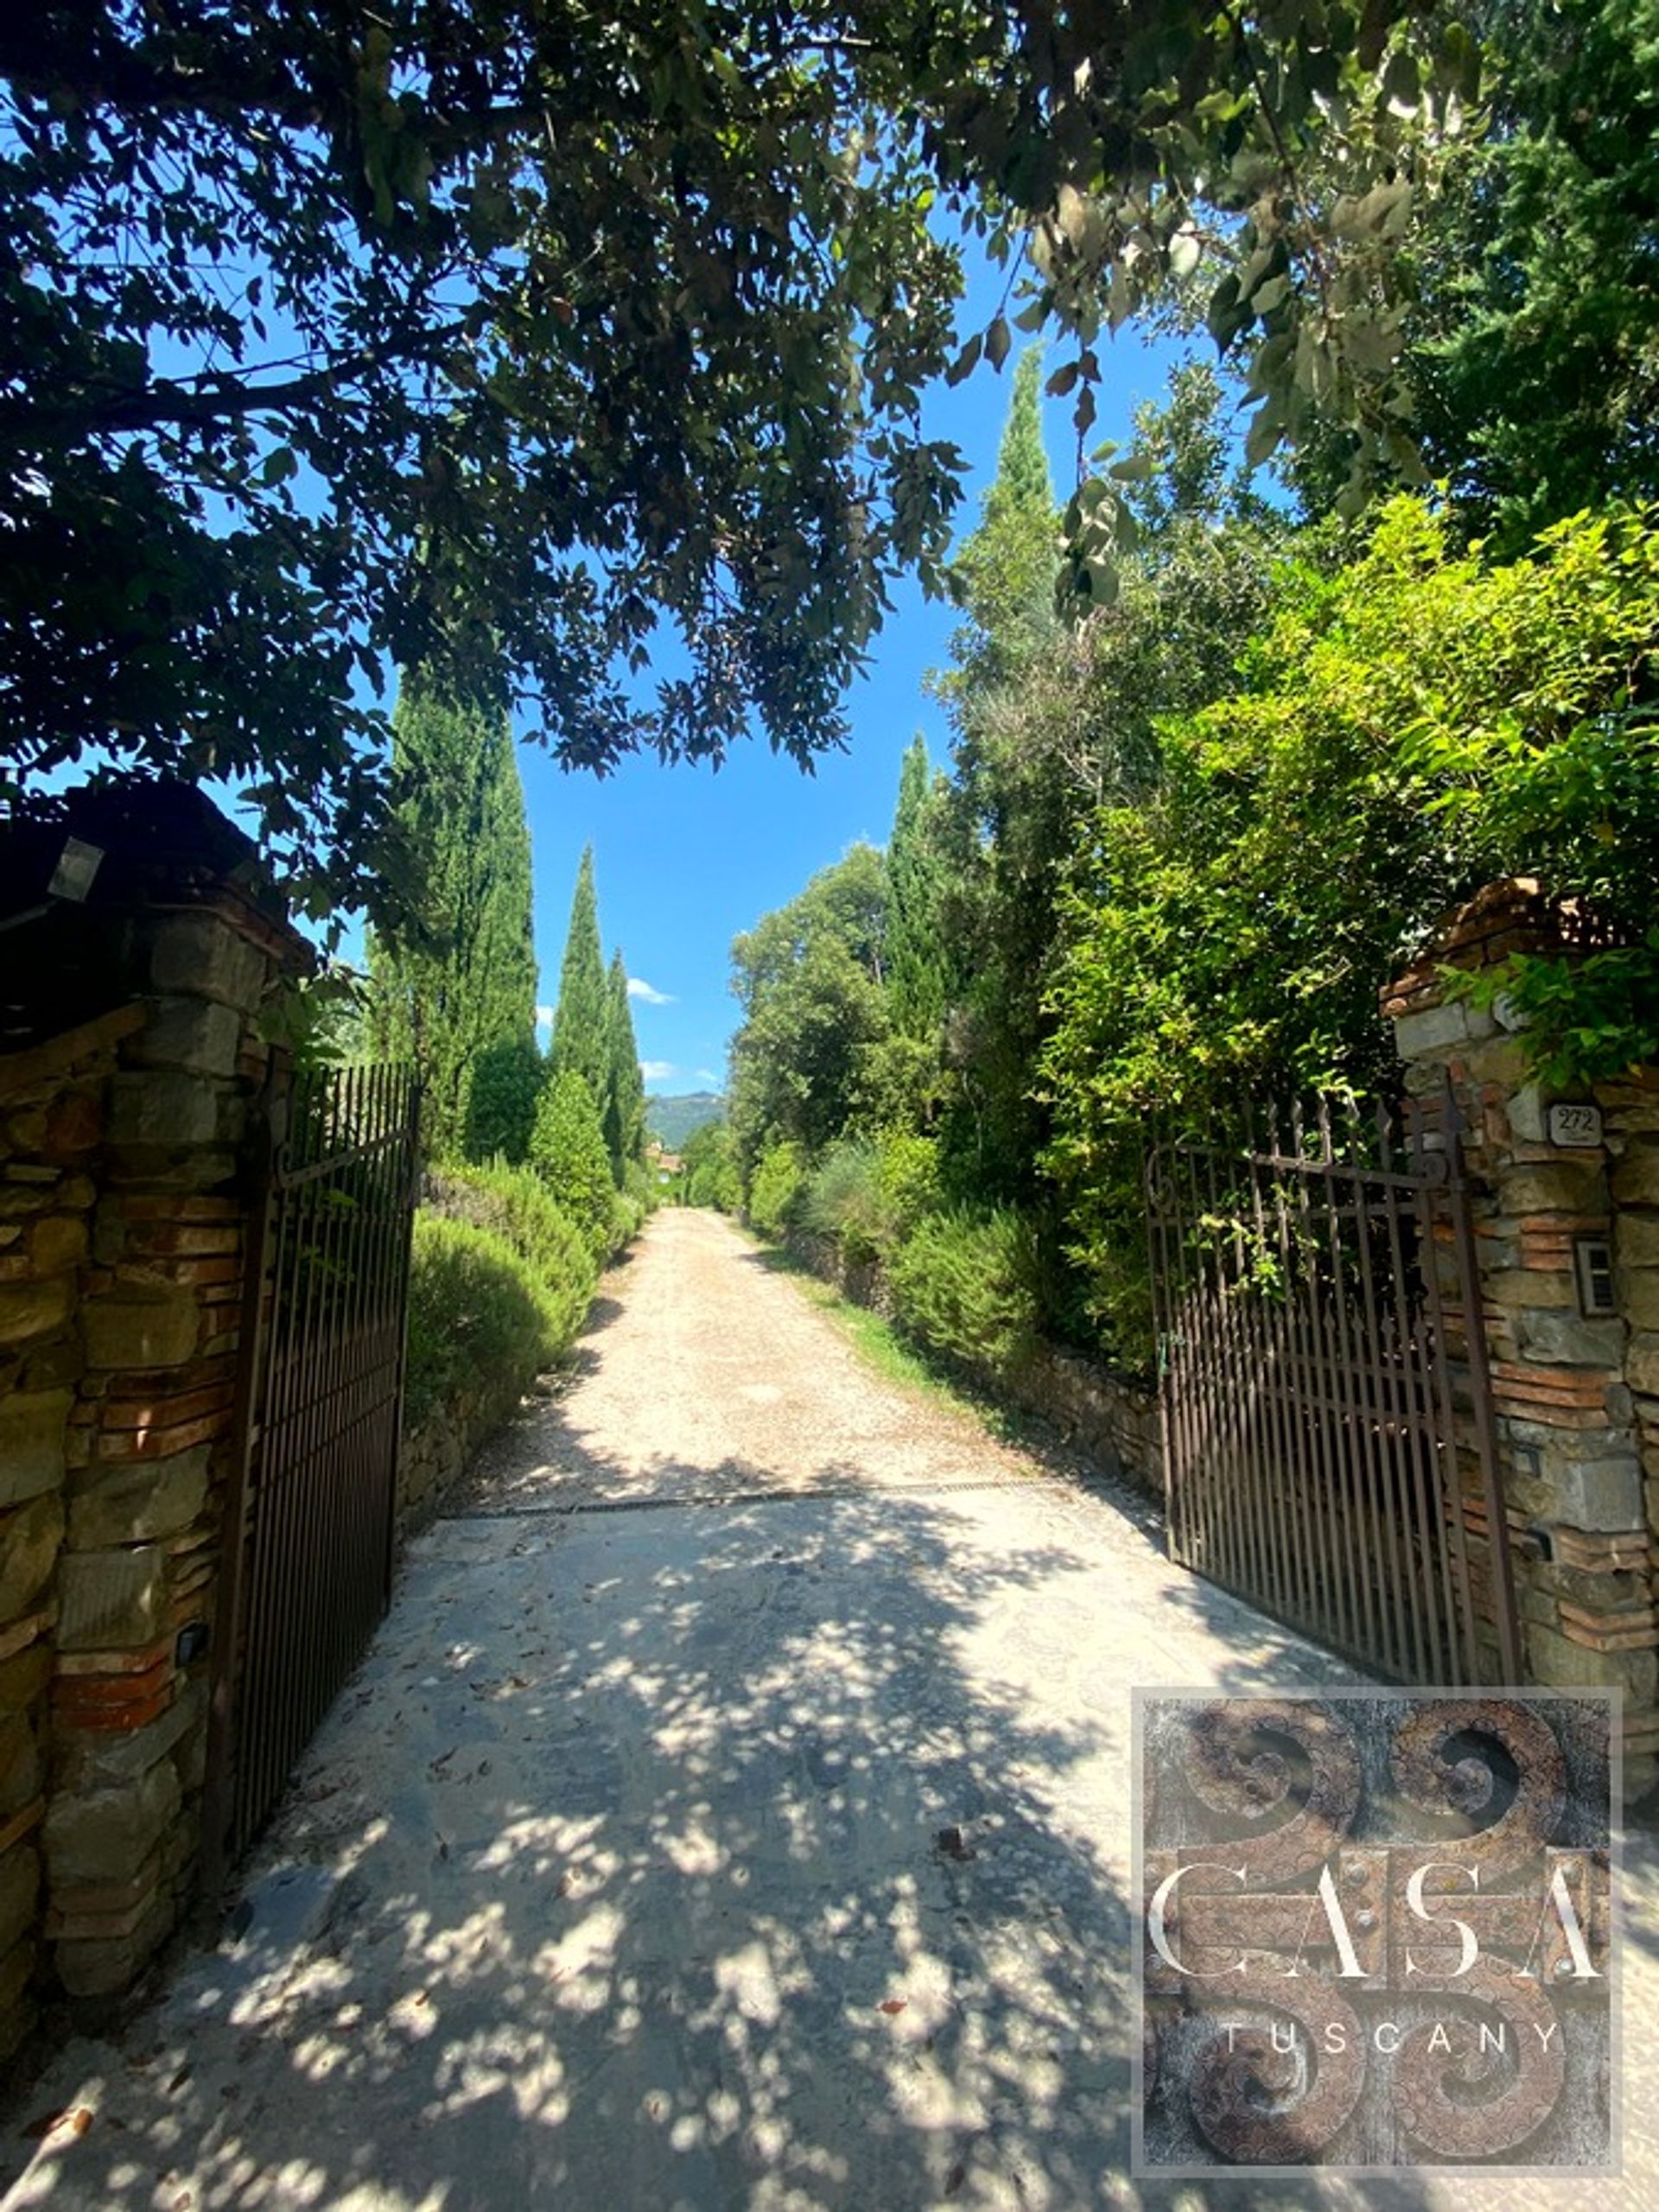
x,y
621,1878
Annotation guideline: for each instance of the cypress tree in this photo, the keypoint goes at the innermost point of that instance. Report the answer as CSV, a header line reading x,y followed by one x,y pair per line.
x,y
582,1020
454,982
1013,815
1009,564
625,1099
915,948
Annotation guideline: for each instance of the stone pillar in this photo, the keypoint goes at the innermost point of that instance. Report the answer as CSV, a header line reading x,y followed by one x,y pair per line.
x,y
125,1193
1560,1350
51,1123
149,1446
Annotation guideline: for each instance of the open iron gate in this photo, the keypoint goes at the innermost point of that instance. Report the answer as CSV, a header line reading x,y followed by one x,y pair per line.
x,y
309,1517
1313,1282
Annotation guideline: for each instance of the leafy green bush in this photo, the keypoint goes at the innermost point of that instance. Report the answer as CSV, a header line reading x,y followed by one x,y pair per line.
x,y
843,1199
775,1190
965,1284
910,1180
709,1169
482,1322
870,1194
627,1219
515,1204
568,1151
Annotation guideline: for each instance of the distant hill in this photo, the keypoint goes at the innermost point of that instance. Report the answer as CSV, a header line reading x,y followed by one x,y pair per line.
x,y
672,1120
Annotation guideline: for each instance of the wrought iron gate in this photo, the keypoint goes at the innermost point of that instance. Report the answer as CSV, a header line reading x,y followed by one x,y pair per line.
x,y
309,1517
1328,1440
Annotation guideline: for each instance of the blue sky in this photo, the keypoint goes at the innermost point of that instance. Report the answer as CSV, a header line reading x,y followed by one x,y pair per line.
x,y
685,857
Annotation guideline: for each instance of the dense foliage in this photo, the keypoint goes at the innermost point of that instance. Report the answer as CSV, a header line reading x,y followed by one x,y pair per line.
x,y
708,1174
1410,728
516,1204
452,978
625,1084
582,1042
811,981
482,1322
1179,852
965,1284
1534,342
567,1149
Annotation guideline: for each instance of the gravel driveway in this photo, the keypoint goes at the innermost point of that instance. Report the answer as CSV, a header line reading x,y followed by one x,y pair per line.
x,y
706,1374
767,1853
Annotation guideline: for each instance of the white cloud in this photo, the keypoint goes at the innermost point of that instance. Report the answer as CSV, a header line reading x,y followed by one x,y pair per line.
x,y
658,1071
707,1075
639,988
544,1017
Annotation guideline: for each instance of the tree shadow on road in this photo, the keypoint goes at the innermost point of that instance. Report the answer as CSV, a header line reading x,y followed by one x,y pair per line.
x,y
764,1857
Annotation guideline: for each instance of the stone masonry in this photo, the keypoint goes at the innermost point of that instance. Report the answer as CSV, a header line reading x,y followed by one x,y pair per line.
x,y
123,1205
1566,1208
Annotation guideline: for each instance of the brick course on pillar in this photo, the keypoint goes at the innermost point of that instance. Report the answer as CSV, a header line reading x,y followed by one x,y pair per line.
x,y
124,1196
1576,1374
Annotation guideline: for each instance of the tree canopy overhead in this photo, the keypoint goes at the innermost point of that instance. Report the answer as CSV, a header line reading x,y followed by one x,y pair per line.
x,y
498,336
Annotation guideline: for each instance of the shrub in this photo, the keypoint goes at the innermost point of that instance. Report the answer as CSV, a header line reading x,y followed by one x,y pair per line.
x,y
843,1199
482,1322
909,1181
514,1205
710,1169
627,1216
568,1151
775,1188
965,1284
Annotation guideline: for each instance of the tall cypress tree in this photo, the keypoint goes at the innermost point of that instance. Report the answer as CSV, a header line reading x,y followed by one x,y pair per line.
x,y
624,1100
916,956
1013,815
582,1020
1008,565
454,982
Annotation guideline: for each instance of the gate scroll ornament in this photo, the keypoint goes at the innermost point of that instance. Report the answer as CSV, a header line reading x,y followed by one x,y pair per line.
x,y
1375,1931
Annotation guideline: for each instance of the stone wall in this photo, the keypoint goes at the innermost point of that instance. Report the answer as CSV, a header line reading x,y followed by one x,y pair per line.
x,y
1110,1420
122,1216
1566,1206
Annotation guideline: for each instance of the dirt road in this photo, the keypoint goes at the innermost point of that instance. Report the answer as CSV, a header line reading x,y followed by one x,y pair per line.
x,y
767,1853
705,1374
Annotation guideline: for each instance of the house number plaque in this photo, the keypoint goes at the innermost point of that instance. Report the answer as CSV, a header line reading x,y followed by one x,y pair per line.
x,y
1575,1125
